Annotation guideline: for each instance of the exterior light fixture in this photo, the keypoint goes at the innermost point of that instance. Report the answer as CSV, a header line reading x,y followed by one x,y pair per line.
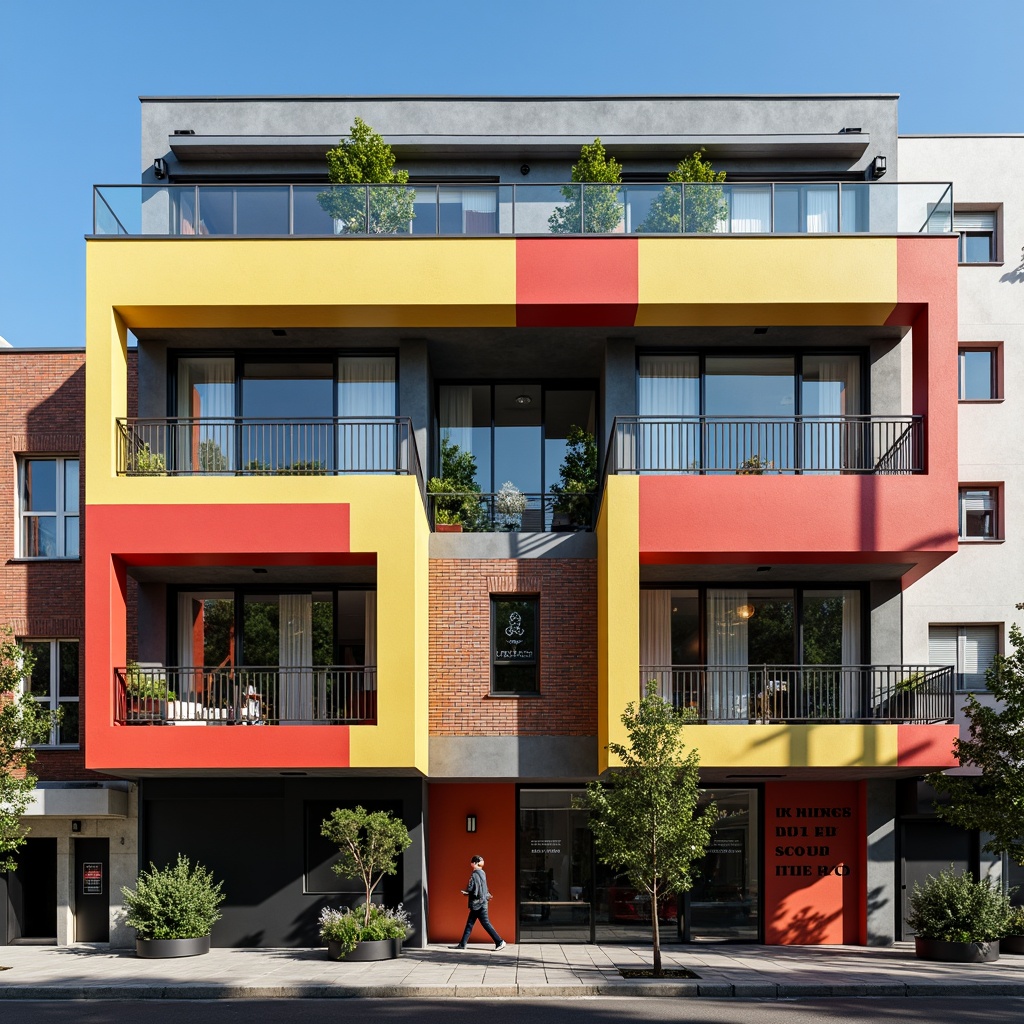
x,y
878,167
160,168
524,170
745,611
523,399
76,825
470,822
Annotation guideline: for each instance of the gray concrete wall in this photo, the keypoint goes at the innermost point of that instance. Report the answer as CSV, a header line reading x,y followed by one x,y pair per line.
x,y
523,758
414,392
883,900
885,599
513,545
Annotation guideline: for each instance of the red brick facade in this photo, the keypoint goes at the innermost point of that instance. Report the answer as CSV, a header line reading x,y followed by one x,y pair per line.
x,y
460,647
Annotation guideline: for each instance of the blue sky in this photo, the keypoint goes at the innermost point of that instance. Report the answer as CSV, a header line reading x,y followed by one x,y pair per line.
x,y
71,72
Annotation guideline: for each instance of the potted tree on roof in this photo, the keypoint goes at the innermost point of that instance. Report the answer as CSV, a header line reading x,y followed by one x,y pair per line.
x,y
456,494
593,206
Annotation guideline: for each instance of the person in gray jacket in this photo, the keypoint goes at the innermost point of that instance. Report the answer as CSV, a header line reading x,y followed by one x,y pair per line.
x,y
478,895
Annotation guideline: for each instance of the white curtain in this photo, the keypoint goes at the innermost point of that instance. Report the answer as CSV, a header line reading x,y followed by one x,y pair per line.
x,y
851,654
728,688
366,391
370,639
669,396
750,210
656,639
206,392
822,213
186,625
831,389
456,415
295,654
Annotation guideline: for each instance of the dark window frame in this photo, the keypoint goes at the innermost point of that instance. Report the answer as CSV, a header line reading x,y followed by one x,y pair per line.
x,y
496,663
995,532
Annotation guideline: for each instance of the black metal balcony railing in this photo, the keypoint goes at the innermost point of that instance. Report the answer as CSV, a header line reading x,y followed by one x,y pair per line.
x,y
736,694
315,695
262,447
358,211
479,512
756,446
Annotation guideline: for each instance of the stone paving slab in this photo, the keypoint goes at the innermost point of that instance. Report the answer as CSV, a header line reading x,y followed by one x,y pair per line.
x,y
742,972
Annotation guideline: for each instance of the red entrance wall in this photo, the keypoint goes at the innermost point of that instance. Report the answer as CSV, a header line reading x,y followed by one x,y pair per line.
x,y
813,863
450,846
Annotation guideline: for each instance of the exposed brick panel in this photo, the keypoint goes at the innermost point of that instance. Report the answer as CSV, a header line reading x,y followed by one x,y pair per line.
x,y
460,647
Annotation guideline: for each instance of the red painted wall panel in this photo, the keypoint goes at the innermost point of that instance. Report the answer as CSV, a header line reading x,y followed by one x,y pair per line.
x,y
926,746
813,863
450,847
577,282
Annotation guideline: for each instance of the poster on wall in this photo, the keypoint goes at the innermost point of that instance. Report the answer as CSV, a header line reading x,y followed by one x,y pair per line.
x,y
92,879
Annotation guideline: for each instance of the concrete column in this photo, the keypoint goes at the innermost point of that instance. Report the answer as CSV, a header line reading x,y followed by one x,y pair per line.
x,y
885,599
414,393
618,387
65,891
880,860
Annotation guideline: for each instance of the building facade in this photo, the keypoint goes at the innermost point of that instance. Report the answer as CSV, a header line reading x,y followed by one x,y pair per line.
x,y
345,541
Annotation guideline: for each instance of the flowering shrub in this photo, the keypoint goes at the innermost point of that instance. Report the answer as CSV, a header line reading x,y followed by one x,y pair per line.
x,y
348,930
510,504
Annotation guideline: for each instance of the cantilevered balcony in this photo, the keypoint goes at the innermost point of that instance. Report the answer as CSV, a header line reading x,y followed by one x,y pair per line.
x,y
758,446
345,211
250,695
805,694
207,446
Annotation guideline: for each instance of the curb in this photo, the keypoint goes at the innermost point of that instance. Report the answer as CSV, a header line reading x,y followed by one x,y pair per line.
x,y
653,989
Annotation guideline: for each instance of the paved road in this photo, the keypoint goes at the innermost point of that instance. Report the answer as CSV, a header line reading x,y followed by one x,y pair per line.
x,y
527,1011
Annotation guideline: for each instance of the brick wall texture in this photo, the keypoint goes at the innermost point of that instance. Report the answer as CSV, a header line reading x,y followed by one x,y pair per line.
x,y
460,647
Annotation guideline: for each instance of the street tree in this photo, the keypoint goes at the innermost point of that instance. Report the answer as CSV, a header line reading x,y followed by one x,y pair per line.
x,y
593,206
994,800
365,159
704,199
646,822
23,722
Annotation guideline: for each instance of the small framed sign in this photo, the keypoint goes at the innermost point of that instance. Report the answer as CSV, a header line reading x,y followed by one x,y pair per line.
x,y
92,879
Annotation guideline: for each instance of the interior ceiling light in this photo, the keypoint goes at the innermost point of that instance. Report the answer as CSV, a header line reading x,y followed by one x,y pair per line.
x,y
259,570
278,333
764,568
760,330
745,611
523,399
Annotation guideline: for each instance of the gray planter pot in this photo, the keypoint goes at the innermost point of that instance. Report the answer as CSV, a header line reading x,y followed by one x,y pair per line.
x,y
1012,944
956,952
162,949
381,949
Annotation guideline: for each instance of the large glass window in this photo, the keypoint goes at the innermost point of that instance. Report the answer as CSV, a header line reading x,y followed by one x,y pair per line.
x,y
206,404
53,682
48,508
977,374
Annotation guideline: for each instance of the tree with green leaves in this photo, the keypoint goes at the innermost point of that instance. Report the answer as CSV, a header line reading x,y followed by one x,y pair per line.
x,y
456,491
594,204
23,722
994,800
705,202
578,478
369,845
365,159
646,823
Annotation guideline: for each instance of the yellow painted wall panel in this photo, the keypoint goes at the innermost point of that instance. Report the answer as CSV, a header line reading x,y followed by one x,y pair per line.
x,y
796,746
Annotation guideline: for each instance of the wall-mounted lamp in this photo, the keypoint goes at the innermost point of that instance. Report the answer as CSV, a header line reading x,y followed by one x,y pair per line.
x,y
878,167
470,822
160,168
76,825
524,170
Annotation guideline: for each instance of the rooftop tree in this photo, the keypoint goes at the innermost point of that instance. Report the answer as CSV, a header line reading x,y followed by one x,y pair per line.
x,y
595,204
703,199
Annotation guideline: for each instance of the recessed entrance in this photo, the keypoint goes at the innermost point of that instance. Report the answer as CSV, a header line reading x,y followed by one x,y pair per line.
x,y
32,894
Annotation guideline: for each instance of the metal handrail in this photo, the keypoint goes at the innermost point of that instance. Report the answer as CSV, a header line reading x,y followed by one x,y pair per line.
x,y
493,512
766,445
258,446
246,695
818,694
567,208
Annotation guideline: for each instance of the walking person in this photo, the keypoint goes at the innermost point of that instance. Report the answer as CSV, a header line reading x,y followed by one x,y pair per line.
x,y
478,895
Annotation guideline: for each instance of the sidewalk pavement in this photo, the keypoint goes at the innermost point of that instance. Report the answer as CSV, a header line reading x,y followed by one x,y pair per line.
x,y
746,972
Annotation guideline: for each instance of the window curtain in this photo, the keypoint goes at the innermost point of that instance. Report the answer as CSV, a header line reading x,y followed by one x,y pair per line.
x,y
295,657
851,653
206,402
668,433
366,391
728,687
750,210
822,210
656,639
370,640
480,211
456,415
831,391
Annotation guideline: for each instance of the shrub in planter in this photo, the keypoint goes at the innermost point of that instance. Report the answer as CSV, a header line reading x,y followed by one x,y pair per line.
x,y
178,901
344,930
956,908
1013,934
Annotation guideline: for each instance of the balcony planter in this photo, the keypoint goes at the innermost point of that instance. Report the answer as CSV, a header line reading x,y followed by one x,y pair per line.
x,y
375,949
956,952
448,527
164,949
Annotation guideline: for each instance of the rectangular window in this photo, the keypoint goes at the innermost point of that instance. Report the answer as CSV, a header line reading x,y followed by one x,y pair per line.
x,y
977,230
514,632
48,508
978,513
977,374
53,682
969,649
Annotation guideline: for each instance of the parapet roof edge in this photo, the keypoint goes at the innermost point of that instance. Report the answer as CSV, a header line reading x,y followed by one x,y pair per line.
x,y
510,98
961,135
40,349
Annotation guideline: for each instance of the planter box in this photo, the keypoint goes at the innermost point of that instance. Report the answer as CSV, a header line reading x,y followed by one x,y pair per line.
x,y
163,949
956,952
448,528
1012,944
382,949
